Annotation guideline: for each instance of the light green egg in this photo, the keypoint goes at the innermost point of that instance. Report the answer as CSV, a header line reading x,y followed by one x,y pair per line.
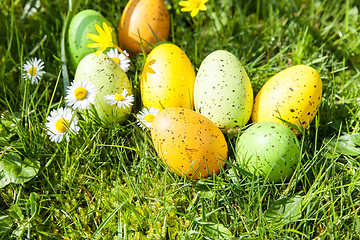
x,y
223,91
268,149
108,78
82,24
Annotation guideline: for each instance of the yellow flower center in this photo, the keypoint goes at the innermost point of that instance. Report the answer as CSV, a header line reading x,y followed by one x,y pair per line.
x,y
117,60
80,93
119,97
32,71
149,118
61,125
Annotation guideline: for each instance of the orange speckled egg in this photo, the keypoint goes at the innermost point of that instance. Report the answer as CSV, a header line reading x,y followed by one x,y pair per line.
x,y
146,21
293,94
189,143
168,78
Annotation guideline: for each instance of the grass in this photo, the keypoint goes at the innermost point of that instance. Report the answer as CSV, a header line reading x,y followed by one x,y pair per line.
x,y
108,182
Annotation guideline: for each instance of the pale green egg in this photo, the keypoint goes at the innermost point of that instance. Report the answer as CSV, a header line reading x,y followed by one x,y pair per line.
x,y
223,91
109,79
268,149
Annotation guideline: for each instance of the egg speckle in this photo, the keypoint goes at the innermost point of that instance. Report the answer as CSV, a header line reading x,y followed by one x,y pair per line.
x,y
223,91
268,149
189,143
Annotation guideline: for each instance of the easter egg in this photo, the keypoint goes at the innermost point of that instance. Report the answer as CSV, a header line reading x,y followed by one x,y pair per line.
x,y
223,91
143,22
168,78
109,79
293,94
268,149
77,41
189,143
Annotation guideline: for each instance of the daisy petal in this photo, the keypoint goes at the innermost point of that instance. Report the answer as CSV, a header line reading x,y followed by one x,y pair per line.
x,y
80,94
60,122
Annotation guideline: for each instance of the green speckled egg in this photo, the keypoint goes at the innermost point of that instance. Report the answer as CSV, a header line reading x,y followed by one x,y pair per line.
x,y
82,24
268,149
223,91
189,143
108,78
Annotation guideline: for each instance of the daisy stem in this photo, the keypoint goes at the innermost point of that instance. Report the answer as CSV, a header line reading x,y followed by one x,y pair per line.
x,y
53,95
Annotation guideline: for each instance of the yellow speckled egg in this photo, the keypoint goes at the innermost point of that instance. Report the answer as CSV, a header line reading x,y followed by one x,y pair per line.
x,y
293,94
189,143
168,78
143,20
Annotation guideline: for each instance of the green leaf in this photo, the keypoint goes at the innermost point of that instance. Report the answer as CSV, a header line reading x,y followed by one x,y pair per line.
x,y
284,209
6,223
355,138
216,231
207,194
346,144
18,170
16,213
203,186
4,180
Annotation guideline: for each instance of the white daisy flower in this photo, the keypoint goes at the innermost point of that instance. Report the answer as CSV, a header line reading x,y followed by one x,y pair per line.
x,y
80,94
122,60
146,117
32,70
121,100
59,123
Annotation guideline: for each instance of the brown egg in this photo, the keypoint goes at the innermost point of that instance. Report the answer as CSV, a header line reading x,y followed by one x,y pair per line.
x,y
189,143
145,21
